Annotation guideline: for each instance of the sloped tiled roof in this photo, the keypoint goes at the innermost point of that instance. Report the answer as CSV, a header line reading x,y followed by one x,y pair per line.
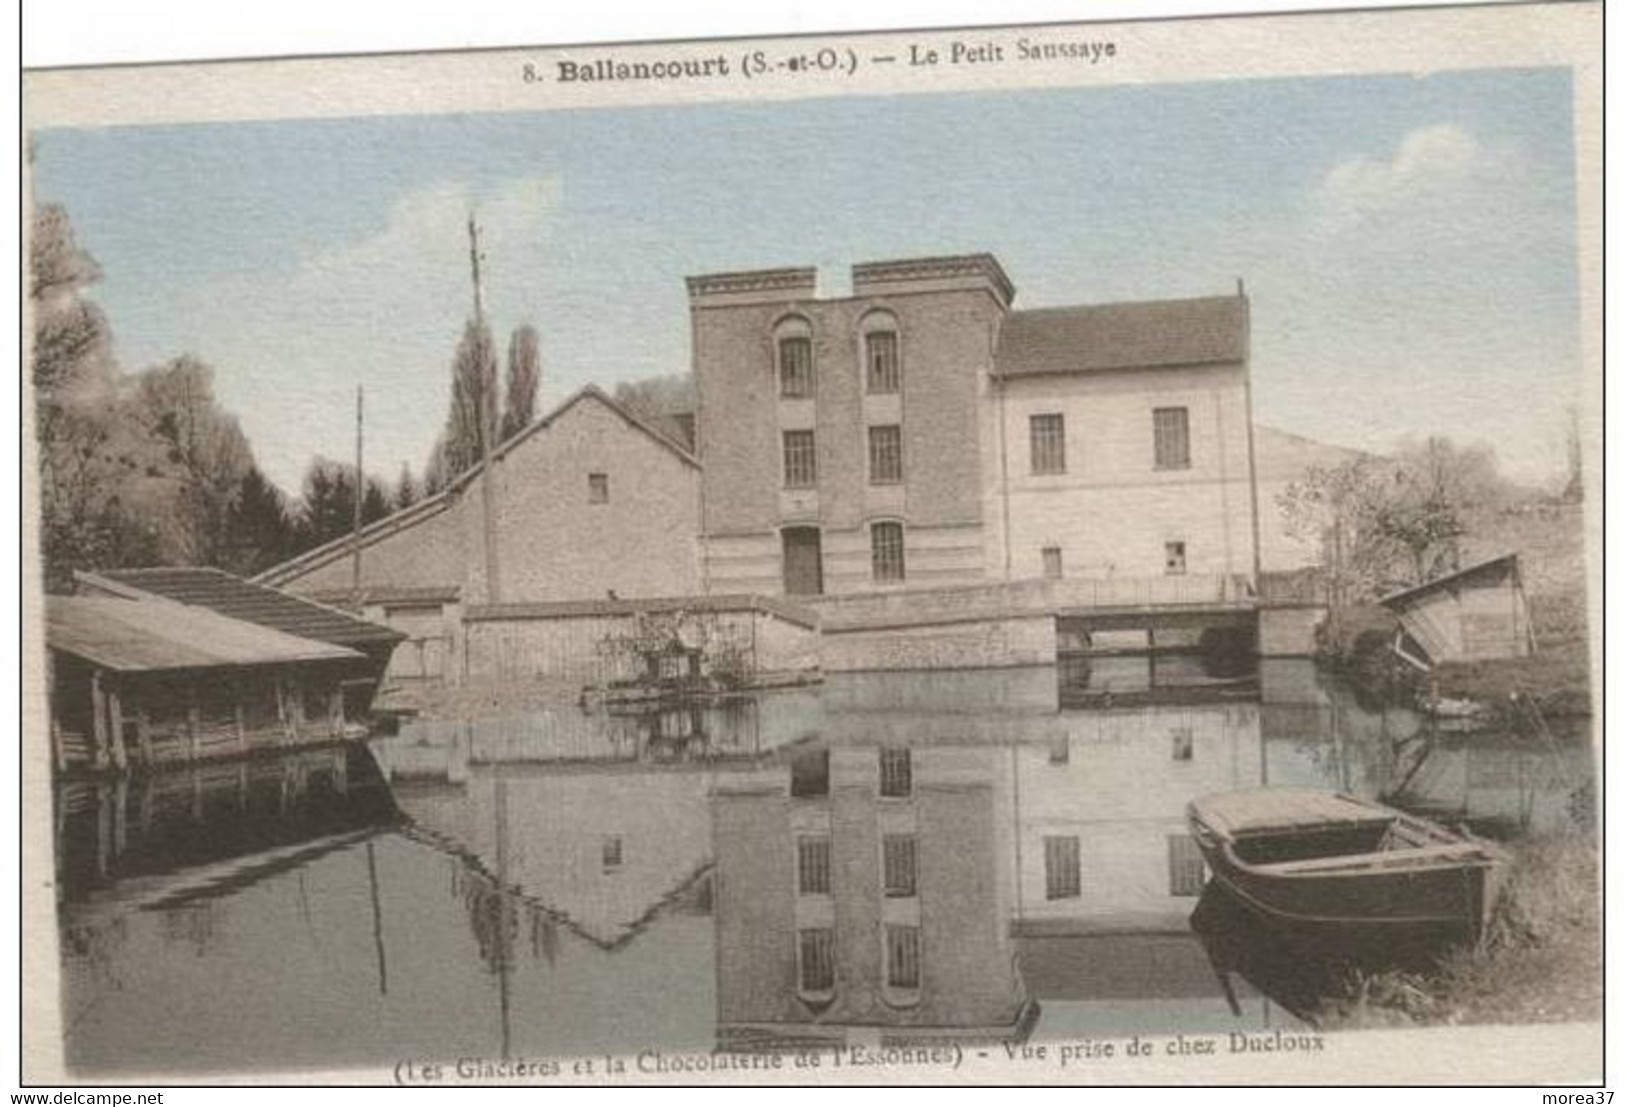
x,y
154,635
1151,334
237,598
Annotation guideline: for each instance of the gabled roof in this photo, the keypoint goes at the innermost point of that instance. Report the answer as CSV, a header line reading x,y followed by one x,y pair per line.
x,y
432,505
237,598
156,635
1146,335
1456,579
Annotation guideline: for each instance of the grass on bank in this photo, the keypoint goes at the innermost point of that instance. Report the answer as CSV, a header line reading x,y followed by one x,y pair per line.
x,y
1541,960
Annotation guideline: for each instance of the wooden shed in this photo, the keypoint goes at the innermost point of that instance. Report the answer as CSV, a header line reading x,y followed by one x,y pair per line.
x,y
1479,613
144,681
236,598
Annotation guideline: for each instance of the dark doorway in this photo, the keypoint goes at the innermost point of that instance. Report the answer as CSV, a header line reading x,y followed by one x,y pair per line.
x,y
803,562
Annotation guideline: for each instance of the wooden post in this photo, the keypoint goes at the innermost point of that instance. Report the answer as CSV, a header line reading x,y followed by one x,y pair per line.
x,y
194,721
143,736
98,720
121,815
237,686
284,712
59,746
115,719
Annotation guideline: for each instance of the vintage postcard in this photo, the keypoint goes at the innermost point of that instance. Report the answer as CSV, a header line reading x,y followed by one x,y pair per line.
x,y
1036,554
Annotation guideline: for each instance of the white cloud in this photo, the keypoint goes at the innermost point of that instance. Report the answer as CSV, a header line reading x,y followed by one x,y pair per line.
x,y
384,309
1431,164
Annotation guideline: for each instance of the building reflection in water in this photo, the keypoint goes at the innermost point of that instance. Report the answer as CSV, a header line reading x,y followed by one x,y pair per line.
x,y
888,858
950,862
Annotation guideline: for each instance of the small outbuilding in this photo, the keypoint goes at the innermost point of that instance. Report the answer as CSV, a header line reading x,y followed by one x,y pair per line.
x,y
138,682
236,598
1479,613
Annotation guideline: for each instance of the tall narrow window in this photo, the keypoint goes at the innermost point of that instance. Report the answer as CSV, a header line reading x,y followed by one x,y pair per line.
x,y
598,488
886,551
1052,562
614,853
800,459
1048,433
817,957
1185,872
812,857
1171,428
896,771
795,366
1173,558
899,854
903,956
880,353
1061,876
885,455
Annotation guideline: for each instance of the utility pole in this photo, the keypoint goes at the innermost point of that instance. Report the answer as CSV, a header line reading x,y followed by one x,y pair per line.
x,y
493,581
355,518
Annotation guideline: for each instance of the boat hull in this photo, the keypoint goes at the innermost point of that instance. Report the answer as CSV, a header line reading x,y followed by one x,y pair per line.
x,y
1444,887
1447,903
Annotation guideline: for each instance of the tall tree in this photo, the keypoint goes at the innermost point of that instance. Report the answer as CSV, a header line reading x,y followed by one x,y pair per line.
x,y
524,379
260,530
72,341
199,454
406,489
473,400
84,460
327,502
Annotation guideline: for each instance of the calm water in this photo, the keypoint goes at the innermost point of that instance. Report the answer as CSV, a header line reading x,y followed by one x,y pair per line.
x,y
887,858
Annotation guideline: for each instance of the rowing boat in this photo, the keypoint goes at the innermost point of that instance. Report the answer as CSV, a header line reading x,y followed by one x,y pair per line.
x,y
1329,862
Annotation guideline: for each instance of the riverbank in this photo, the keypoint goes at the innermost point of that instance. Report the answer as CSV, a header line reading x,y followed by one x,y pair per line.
x,y
1540,962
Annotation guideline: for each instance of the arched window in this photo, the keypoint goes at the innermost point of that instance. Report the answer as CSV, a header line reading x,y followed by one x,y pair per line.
x,y
882,355
792,340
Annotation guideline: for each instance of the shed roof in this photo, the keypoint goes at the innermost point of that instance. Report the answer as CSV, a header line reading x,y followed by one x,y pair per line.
x,y
237,598
1492,567
1143,335
155,635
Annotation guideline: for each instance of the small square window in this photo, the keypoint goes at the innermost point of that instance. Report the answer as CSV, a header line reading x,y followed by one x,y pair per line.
x,y
1052,562
598,488
1183,746
809,774
1174,558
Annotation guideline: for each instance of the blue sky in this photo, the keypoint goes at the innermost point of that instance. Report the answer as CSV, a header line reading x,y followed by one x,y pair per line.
x,y
1408,242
